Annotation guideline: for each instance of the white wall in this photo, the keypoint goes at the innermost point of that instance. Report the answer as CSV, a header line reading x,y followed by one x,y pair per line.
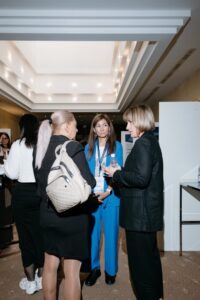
x,y
179,136
127,144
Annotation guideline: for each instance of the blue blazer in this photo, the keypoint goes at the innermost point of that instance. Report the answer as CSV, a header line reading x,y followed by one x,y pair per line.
x,y
111,200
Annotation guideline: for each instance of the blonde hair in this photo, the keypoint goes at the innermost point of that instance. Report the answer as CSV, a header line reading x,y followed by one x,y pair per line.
x,y
46,129
141,116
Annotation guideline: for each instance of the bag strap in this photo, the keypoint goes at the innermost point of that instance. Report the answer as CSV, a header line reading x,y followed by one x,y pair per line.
x,y
62,147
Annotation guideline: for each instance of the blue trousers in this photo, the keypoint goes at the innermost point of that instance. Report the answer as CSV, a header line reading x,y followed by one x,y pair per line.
x,y
106,218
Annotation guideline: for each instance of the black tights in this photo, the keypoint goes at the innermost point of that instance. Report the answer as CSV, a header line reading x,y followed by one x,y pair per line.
x,y
30,272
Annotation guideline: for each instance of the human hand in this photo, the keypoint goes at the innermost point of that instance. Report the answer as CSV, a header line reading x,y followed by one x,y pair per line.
x,y
102,195
109,171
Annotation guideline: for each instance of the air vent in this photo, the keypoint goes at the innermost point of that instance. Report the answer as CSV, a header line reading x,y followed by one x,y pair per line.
x,y
177,65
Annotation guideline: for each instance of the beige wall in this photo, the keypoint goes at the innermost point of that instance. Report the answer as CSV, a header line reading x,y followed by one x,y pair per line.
x,y
189,90
155,109
8,120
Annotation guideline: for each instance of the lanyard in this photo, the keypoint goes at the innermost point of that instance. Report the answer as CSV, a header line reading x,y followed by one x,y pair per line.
x,y
100,158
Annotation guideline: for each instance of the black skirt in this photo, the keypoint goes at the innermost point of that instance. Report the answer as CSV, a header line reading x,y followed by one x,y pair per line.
x,y
65,234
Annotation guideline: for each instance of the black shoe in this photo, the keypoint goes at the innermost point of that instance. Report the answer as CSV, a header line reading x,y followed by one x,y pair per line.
x,y
109,279
92,278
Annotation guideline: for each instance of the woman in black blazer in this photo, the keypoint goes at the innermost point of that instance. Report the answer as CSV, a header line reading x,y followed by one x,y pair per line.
x,y
141,209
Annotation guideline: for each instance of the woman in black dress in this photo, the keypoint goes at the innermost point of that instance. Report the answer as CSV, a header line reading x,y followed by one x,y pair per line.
x,y
65,234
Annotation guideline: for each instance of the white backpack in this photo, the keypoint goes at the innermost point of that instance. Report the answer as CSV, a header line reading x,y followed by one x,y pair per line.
x,y
65,186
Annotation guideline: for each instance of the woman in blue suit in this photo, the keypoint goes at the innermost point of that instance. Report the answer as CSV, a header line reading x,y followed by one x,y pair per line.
x,y
101,144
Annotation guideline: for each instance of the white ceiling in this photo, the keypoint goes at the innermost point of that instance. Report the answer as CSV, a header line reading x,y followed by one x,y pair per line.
x,y
98,5
68,57
90,56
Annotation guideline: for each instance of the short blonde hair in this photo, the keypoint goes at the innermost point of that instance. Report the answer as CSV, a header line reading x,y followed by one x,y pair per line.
x,y
142,117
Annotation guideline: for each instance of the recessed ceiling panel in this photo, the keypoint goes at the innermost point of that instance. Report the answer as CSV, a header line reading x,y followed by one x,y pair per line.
x,y
68,57
77,55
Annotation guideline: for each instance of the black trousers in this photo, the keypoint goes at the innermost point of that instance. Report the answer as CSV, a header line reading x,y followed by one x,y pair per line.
x,y
26,210
144,265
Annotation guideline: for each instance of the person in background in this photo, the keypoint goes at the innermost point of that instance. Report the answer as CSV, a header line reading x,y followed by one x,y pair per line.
x,y
26,203
65,234
4,144
141,209
101,144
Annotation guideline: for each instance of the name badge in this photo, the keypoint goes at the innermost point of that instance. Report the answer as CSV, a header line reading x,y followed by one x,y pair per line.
x,y
99,184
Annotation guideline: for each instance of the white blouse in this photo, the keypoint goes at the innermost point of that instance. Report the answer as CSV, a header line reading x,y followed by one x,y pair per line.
x,y
19,163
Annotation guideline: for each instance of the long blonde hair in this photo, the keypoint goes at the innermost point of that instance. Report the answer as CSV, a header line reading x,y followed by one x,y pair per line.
x,y
46,130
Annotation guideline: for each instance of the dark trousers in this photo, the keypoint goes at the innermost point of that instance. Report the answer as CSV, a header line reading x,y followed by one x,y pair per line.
x,y
26,210
144,265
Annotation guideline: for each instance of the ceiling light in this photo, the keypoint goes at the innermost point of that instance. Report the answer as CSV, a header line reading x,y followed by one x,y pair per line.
x,y
6,74
22,70
74,99
10,57
49,98
115,92
74,84
99,84
19,86
126,52
49,84
117,80
99,99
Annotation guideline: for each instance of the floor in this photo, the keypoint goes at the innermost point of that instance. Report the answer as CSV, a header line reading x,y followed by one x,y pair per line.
x,y
181,278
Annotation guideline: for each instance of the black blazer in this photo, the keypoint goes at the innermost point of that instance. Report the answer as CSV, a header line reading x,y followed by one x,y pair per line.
x,y
141,186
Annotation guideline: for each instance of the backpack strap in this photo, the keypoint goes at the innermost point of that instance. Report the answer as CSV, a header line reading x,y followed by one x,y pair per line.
x,y
62,147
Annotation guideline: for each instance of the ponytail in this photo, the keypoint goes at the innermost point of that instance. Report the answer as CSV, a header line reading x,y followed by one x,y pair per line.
x,y
44,135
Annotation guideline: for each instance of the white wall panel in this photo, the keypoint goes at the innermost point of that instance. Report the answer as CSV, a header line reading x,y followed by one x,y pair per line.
x,y
179,136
